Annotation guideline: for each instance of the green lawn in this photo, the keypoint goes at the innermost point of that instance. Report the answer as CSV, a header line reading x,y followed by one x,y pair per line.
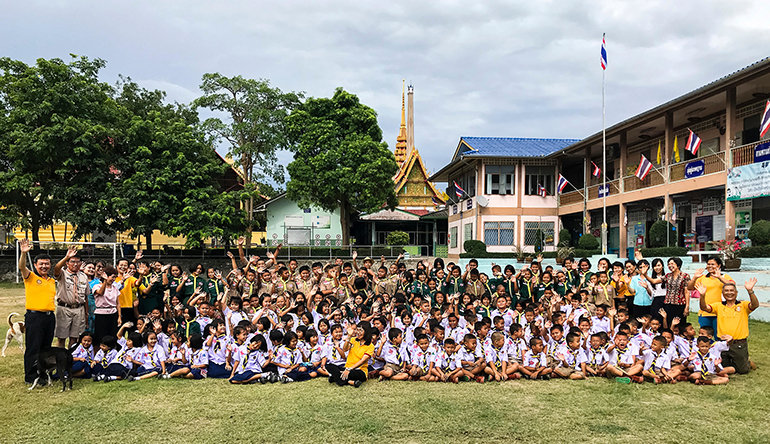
x,y
532,411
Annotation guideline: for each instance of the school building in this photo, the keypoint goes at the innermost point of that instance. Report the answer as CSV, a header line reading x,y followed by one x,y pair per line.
x,y
712,195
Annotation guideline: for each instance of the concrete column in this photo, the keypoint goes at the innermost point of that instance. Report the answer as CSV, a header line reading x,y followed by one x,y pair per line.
x,y
668,137
623,163
623,237
374,233
729,128
668,202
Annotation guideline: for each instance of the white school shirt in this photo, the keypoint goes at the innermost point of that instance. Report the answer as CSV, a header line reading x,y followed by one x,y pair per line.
x,y
255,361
711,363
421,358
203,321
335,356
468,355
394,355
104,359
506,314
639,340
217,353
686,347
452,333
444,362
672,351
177,353
572,358
534,360
151,358
625,356
517,347
84,353
124,355
164,342
602,324
553,347
286,356
496,356
197,357
595,357
314,354
418,318
656,361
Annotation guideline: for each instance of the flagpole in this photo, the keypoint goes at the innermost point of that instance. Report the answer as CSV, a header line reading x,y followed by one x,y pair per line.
x,y
604,170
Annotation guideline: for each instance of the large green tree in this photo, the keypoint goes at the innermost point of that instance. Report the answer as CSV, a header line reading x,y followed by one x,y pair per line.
x,y
255,126
55,120
340,160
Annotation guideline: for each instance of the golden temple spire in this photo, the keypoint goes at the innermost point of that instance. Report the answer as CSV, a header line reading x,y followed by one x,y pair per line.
x,y
400,151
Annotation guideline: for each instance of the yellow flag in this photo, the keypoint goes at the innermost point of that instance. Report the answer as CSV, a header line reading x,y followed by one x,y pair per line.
x,y
676,151
658,159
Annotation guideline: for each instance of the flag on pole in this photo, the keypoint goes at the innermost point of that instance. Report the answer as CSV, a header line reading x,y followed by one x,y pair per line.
x,y
604,54
765,126
541,190
676,151
693,143
597,170
562,183
644,168
658,158
459,191
436,202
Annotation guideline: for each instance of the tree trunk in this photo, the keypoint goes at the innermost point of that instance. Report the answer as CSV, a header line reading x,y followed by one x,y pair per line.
x,y
35,235
148,240
344,224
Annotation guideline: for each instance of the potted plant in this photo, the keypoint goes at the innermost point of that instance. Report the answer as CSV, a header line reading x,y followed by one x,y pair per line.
x,y
729,250
563,252
519,254
528,259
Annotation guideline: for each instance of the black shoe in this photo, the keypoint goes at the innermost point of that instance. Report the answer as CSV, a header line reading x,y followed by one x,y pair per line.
x,y
545,377
358,383
331,380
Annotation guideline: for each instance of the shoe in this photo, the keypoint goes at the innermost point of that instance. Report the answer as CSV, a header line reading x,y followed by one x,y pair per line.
x,y
94,378
166,376
106,379
623,380
262,380
286,380
131,378
331,380
545,377
358,383
274,377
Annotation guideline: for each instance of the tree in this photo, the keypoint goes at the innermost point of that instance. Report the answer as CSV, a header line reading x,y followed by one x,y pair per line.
x,y
55,120
167,172
340,160
256,129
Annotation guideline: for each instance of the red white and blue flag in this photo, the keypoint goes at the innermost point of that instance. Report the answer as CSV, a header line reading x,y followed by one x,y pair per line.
x,y
644,168
458,190
597,170
436,202
604,54
562,184
693,143
765,126
541,190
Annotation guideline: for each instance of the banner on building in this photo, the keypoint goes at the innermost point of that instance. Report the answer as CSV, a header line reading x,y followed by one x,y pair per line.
x,y
694,169
604,190
748,181
762,152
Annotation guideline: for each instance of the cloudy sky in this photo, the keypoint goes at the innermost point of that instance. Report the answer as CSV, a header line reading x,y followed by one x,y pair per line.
x,y
489,68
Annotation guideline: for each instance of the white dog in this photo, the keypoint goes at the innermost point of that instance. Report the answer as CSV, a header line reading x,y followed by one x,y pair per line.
x,y
15,332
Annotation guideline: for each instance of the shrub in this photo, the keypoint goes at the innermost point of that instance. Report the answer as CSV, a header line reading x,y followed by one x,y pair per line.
x,y
539,241
474,247
759,233
758,251
582,252
565,238
664,252
511,256
588,242
397,238
658,234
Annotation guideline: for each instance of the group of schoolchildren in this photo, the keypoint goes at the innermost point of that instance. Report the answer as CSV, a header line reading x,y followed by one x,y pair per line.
x,y
274,321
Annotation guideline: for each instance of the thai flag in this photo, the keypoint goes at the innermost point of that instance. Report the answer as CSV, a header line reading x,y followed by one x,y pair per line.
x,y
562,184
436,202
597,170
604,54
765,121
459,191
693,143
644,168
541,190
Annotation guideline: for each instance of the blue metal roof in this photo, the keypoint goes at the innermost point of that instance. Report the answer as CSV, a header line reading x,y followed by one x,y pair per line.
x,y
512,146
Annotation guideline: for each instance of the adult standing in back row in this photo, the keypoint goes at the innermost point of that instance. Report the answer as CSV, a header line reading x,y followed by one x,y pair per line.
x,y
39,293
712,283
72,292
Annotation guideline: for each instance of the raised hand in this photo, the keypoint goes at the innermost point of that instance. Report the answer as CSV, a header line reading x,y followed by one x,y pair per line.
x,y
241,241
355,255
638,255
165,267
662,313
230,255
749,285
25,246
675,321
71,252
138,255
700,288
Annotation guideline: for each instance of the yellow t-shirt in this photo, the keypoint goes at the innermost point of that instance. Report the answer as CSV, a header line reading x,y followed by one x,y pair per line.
x,y
733,321
39,293
713,291
356,352
126,298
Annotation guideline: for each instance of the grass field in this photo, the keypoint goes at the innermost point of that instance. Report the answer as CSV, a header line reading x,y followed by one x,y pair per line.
x,y
531,411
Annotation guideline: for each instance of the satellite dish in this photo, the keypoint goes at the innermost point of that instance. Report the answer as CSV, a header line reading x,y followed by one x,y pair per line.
x,y
482,201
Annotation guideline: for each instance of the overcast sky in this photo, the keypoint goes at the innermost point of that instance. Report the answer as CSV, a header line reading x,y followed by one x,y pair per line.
x,y
489,68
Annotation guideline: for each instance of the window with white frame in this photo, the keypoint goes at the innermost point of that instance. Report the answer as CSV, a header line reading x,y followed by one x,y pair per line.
x,y
498,233
538,175
467,232
453,237
531,229
500,179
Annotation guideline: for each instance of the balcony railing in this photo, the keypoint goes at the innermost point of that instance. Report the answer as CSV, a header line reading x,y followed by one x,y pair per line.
x,y
744,154
713,163
655,177
572,197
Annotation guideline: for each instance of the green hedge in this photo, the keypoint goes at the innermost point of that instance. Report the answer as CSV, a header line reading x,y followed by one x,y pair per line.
x,y
475,247
664,252
758,251
511,255
759,233
580,253
588,242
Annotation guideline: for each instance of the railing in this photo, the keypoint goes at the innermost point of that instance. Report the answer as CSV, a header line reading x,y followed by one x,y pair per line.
x,y
612,188
744,154
570,198
713,163
632,183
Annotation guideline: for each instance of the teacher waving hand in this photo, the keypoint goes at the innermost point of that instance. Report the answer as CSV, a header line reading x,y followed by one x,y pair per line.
x,y
359,349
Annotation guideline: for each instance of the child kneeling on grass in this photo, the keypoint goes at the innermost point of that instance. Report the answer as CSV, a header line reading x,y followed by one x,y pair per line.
x,y
706,363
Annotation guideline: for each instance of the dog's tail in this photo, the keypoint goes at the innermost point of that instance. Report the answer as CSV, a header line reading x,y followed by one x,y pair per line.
x,y
10,323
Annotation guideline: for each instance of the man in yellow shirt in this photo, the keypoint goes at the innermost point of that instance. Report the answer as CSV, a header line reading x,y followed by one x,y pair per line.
x,y
733,322
39,321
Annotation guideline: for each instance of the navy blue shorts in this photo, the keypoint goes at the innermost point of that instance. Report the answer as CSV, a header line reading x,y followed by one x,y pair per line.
x,y
174,367
198,373
240,377
143,371
82,365
218,371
